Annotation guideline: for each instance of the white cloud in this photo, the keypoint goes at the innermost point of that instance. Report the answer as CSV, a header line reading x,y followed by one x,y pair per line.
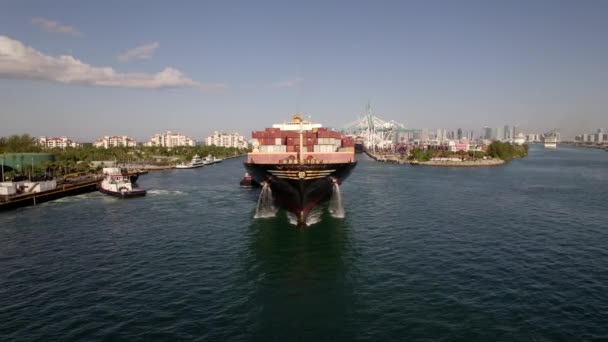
x,y
141,52
288,83
56,27
19,61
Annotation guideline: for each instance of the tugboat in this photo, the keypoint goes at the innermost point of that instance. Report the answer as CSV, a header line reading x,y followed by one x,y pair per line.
x,y
116,182
301,162
248,181
194,163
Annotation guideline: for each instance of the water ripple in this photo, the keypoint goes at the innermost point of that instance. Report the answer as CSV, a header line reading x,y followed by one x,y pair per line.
x,y
510,253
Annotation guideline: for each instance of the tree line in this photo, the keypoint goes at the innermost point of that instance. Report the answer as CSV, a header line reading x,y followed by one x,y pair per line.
x,y
19,144
506,151
78,159
496,149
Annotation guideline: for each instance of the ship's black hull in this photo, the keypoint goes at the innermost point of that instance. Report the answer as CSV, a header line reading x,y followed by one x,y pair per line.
x,y
123,194
299,188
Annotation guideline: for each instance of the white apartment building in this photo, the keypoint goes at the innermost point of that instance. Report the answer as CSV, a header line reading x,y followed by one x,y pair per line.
x,y
226,140
170,139
115,141
61,142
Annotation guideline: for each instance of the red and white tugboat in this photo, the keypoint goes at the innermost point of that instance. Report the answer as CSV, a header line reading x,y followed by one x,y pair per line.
x,y
116,182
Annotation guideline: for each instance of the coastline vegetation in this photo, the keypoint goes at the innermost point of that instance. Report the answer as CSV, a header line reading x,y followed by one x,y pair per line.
x,y
79,159
421,155
496,149
506,151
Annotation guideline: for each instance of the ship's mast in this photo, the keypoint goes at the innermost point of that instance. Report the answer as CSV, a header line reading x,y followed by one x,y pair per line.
x,y
301,144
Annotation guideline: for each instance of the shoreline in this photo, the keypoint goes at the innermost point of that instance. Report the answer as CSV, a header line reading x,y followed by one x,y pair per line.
x,y
152,167
476,163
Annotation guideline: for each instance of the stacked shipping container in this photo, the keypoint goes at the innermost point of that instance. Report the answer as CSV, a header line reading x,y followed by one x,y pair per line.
x,y
320,140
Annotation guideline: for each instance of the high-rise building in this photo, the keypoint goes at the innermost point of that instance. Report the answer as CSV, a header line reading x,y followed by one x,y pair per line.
x,y
438,135
61,142
500,134
170,139
459,134
424,134
487,133
508,133
226,140
516,131
115,141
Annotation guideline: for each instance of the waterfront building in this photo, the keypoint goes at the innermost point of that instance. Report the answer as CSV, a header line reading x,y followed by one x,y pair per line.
x,y
533,138
170,139
500,134
487,133
516,131
115,141
404,136
600,137
61,142
424,134
226,140
508,133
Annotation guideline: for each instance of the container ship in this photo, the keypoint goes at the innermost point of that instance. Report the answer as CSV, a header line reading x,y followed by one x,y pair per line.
x,y
301,162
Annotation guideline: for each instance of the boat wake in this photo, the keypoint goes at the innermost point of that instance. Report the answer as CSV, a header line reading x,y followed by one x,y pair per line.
x,y
265,207
77,198
336,208
314,217
160,192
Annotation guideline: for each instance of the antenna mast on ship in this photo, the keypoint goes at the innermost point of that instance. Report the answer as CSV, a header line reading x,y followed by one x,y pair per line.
x,y
298,118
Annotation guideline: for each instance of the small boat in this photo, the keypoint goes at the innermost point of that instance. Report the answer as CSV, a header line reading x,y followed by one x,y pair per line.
x,y
248,181
194,163
208,160
117,182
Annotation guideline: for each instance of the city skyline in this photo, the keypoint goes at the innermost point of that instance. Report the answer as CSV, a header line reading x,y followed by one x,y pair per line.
x,y
78,70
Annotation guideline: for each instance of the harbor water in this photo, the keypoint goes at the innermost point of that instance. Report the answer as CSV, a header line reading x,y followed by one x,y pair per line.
x,y
509,253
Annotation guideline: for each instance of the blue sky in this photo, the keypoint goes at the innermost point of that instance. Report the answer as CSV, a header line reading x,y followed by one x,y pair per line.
x,y
240,66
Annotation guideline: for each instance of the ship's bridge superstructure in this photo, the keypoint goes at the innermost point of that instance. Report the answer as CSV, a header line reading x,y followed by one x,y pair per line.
x,y
297,123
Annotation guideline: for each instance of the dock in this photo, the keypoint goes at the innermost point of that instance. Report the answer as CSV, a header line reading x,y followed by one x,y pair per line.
x,y
68,188
386,158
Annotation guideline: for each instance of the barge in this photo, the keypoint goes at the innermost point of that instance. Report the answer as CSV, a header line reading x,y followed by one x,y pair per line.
x,y
15,195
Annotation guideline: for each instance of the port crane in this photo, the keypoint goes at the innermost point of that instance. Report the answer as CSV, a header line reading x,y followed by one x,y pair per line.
x,y
376,133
